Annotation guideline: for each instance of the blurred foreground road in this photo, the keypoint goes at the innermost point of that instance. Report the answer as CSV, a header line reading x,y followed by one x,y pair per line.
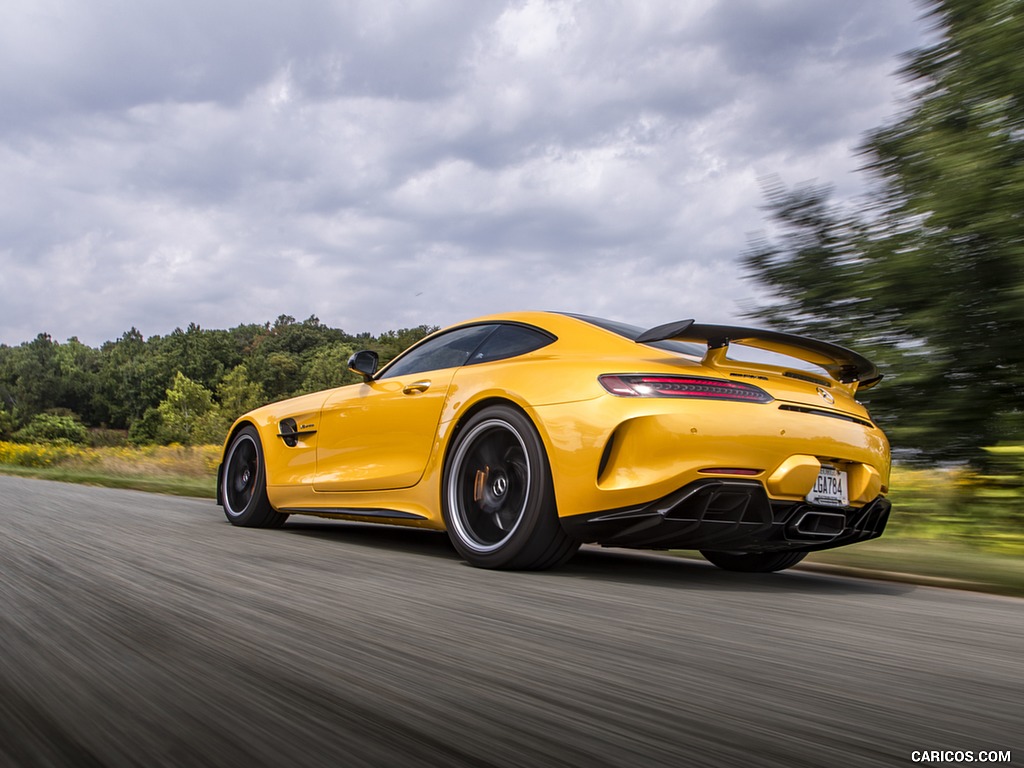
x,y
144,630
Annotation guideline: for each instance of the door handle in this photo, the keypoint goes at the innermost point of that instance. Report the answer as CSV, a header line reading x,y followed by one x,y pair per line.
x,y
416,387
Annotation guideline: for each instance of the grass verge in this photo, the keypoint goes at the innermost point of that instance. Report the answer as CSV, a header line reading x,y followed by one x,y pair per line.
x,y
172,469
201,487
926,561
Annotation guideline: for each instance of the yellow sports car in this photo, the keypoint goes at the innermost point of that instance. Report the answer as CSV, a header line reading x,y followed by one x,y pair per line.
x,y
525,434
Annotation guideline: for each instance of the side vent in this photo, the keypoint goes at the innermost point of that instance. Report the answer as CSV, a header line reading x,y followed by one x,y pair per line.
x,y
288,432
605,457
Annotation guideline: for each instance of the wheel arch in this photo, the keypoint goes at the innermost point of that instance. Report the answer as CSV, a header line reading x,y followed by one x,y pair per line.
x,y
475,408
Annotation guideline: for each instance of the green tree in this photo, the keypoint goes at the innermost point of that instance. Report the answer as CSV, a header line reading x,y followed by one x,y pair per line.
x,y
391,343
78,366
31,377
238,394
147,429
328,368
130,379
929,274
201,355
824,285
188,413
121,384
279,373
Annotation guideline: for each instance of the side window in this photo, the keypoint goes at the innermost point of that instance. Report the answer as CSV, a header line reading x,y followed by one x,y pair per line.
x,y
449,350
509,341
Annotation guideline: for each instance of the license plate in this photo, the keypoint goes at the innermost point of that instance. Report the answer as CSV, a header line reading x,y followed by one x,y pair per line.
x,y
830,489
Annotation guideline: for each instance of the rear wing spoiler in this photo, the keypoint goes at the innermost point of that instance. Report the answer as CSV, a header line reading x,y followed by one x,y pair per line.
x,y
844,365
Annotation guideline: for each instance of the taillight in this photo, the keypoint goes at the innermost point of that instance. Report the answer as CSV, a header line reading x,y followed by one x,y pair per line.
x,y
643,385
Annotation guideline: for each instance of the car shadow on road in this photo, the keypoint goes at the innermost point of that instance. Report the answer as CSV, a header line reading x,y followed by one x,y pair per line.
x,y
393,538
665,569
597,564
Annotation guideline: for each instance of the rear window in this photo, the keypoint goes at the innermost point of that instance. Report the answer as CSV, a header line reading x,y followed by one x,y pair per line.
x,y
510,341
631,332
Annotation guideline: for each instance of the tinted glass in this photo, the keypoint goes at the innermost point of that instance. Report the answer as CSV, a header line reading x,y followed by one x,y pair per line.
x,y
632,331
509,341
450,350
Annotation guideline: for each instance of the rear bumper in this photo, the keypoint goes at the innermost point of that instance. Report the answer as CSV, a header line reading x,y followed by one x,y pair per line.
x,y
730,515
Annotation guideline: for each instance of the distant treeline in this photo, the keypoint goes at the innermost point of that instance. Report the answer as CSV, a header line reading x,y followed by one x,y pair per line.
x,y
183,387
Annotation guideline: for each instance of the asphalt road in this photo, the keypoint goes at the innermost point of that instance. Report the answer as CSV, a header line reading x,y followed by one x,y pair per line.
x,y
144,630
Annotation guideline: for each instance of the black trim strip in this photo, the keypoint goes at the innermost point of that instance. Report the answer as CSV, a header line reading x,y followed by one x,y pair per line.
x,y
394,514
830,414
298,433
806,377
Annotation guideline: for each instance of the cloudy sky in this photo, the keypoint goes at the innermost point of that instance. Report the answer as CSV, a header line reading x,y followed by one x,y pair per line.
x,y
387,163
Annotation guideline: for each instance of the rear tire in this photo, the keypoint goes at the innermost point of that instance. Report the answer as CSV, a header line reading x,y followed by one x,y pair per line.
x,y
753,562
498,500
243,484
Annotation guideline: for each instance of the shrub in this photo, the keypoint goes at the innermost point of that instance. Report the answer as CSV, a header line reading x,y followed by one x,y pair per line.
x,y
103,437
53,428
7,424
146,430
962,504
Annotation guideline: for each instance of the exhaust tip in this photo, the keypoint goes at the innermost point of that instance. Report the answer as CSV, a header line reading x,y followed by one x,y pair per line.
x,y
818,525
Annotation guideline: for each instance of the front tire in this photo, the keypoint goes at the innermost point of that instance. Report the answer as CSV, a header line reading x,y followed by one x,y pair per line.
x,y
753,562
243,484
498,500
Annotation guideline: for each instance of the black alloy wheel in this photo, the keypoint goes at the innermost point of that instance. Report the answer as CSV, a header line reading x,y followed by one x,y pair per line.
x,y
498,499
243,489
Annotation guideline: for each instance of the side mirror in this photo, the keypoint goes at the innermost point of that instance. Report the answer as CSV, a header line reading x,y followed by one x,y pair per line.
x,y
364,363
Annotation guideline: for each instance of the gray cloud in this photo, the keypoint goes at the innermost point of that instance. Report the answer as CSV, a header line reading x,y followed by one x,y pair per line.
x,y
382,164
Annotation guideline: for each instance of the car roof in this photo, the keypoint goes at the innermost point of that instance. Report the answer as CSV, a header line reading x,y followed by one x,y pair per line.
x,y
578,328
